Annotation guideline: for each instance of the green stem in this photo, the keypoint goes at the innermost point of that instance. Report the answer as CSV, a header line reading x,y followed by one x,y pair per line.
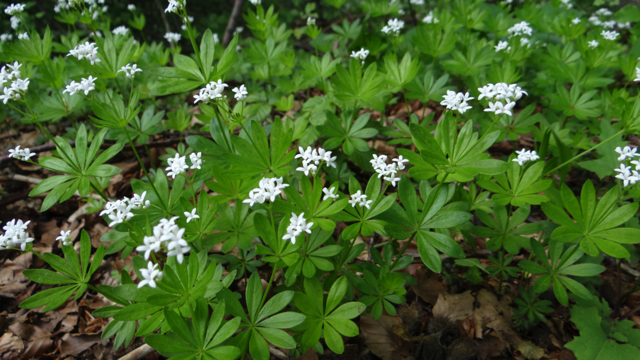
x,y
144,169
193,41
266,292
404,248
585,152
95,188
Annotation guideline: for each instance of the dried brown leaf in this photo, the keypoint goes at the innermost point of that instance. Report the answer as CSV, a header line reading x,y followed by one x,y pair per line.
x,y
529,350
456,307
429,285
380,337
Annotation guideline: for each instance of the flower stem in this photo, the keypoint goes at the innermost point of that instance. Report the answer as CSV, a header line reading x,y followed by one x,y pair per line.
x,y
404,248
266,292
585,152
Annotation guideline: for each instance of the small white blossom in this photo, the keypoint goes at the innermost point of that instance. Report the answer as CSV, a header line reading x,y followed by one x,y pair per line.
x,y
525,155
456,101
416,2
311,159
15,235
177,165
14,9
268,188
329,193
15,22
131,7
150,275
609,35
5,37
593,44
21,154
311,21
212,91
138,202
502,45
87,51
521,28
120,30
240,92
360,54
393,26
65,237
23,36
627,175
196,160
174,6
255,2
191,215
172,37
130,70
576,21
604,12
430,18
626,152
296,227
388,171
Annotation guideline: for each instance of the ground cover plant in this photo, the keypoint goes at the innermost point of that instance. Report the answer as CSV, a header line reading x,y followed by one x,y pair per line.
x,y
337,179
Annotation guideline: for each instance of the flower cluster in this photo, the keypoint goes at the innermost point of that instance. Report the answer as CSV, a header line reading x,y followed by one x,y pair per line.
x,y
519,29
14,9
360,199
240,92
593,44
212,91
5,37
525,155
184,26
178,164
268,188
61,5
15,235
150,275
637,74
87,51
430,18
456,101
23,36
509,93
625,173
172,37
388,171
130,70
120,30
311,21
119,211
15,22
360,54
131,7
21,154
85,85
255,2
18,86
65,237
311,159
170,235
175,6
329,193
393,26
610,34
297,225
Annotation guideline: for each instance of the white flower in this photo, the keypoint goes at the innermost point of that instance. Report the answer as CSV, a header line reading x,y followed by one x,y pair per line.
x,y
604,12
175,6
191,215
72,88
637,164
177,165
609,35
212,91
307,168
456,101
15,22
14,9
87,85
576,21
430,18
627,175
255,2
87,51
178,246
21,154
311,21
118,211
15,234
393,26
172,37
150,275
593,44
131,7
311,159
360,54
355,198
23,36
216,39
130,70
387,171
501,46
5,37
238,30
240,92
196,160
297,226
329,193
65,237
138,201
120,30
525,155
626,152
400,161
416,2
521,28
268,188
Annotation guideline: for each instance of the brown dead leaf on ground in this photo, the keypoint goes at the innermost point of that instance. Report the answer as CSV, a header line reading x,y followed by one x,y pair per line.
x,y
78,343
456,307
529,350
380,337
38,340
429,285
489,347
496,315
20,263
